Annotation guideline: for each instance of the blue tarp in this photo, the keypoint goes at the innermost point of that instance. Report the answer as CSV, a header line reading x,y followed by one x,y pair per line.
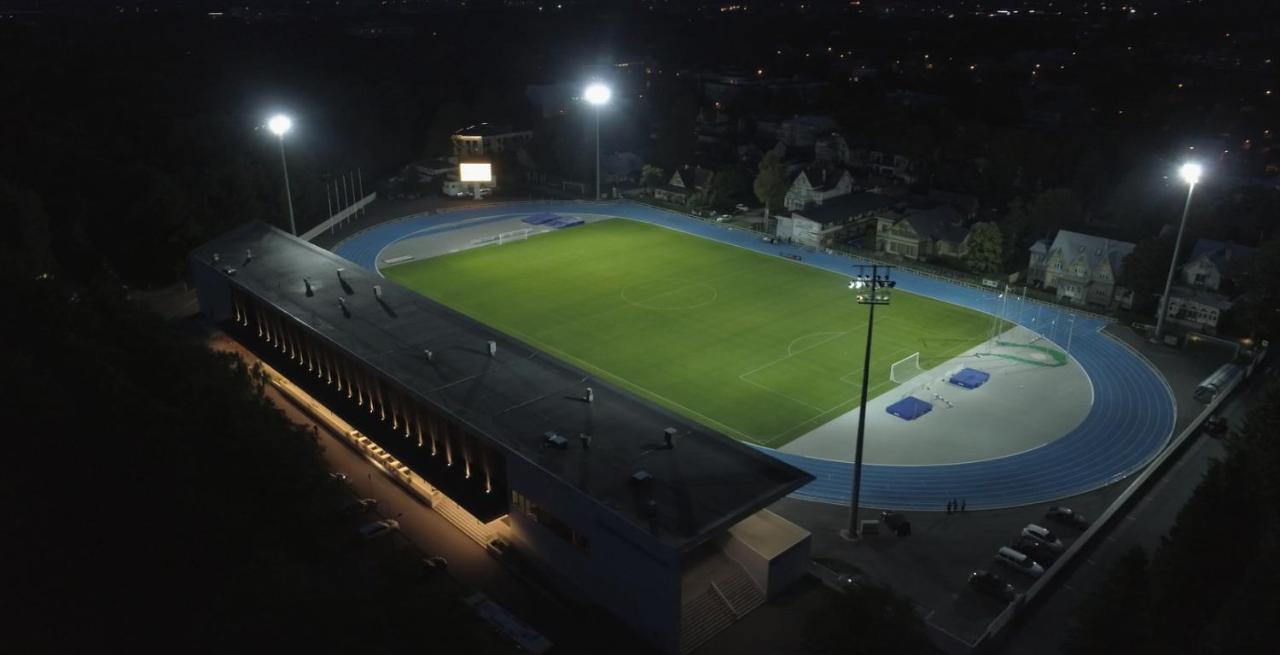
x,y
541,218
970,378
909,408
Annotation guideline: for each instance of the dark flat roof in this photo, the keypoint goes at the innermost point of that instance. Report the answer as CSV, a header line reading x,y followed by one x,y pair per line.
x,y
704,485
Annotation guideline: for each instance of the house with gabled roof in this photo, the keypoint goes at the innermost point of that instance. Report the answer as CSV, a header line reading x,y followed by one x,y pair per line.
x,y
922,233
1081,268
833,222
1207,284
816,184
687,184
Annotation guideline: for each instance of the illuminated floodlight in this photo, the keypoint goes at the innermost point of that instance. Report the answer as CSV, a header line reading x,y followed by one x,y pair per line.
x,y
279,124
597,94
475,172
1190,172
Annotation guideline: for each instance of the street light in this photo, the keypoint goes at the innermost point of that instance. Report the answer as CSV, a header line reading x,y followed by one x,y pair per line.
x,y
279,124
597,94
871,290
1190,173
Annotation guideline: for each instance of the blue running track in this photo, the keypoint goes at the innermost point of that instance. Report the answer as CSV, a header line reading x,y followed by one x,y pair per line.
x,y
1131,419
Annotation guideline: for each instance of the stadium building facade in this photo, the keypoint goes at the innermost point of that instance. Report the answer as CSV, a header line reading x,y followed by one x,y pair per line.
x,y
658,520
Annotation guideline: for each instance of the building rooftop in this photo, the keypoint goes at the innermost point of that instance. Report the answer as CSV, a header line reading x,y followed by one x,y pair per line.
x,y
845,208
1073,245
1229,258
705,484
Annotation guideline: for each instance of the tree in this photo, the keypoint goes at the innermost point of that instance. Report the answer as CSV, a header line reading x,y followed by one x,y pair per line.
x,y
1256,312
985,253
770,185
868,620
1115,618
651,176
728,187
1144,272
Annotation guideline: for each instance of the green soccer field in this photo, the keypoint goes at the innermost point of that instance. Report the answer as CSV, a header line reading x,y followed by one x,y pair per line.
x,y
758,347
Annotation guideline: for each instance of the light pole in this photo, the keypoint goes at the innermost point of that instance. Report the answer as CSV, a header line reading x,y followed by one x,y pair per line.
x,y
871,290
597,94
1190,173
279,124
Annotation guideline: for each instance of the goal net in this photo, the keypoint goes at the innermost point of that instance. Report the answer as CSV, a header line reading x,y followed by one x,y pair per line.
x,y
905,369
514,235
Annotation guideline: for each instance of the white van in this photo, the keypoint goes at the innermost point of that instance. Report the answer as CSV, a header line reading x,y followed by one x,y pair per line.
x,y
1019,562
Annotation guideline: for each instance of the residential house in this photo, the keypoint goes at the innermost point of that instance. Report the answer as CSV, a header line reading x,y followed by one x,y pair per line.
x,y
831,147
803,131
687,185
884,164
817,184
1206,284
920,234
1082,268
834,221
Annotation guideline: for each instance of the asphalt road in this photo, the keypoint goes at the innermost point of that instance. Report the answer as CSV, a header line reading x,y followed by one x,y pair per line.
x,y
1150,518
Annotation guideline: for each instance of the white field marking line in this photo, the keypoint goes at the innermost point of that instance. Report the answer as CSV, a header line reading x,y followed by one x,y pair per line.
x,y
779,393
877,387
715,293
790,353
586,365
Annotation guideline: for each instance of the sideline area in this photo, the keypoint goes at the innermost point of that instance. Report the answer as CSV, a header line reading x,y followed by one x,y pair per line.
x,y
1130,420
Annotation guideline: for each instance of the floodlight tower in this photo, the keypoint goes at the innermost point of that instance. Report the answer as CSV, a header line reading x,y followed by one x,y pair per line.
x,y
872,289
279,125
598,95
1190,173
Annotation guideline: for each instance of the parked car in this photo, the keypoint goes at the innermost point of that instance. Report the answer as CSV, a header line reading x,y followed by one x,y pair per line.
x,y
378,528
1216,426
435,563
1033,531
340,477
1035,550
742,209
1019,562
990,584
1067,516
723,218
361,505
896,521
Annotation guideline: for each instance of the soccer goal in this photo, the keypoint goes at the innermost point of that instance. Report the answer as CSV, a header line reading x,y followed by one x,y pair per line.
x,y
905,369
514,235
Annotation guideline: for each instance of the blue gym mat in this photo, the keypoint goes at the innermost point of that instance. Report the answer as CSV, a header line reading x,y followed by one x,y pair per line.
x,y
970,378
909,408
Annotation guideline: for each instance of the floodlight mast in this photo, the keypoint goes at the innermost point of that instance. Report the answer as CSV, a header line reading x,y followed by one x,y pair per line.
x,y
876,286
1190,173
598,95
279,125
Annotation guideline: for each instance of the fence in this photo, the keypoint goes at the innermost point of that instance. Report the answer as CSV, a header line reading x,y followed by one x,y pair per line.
x,y
333,221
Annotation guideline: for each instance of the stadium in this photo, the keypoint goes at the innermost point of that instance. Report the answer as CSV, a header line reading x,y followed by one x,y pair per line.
x,y
621,392
763,342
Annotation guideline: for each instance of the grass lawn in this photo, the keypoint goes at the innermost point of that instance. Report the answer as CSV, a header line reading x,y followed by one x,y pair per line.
x,y
758,347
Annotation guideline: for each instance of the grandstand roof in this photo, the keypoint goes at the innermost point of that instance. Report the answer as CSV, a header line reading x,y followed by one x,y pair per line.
x,y
699,488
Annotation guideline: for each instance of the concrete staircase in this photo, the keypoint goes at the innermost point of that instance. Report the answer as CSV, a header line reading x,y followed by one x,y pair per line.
x,y
728,598
461,519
